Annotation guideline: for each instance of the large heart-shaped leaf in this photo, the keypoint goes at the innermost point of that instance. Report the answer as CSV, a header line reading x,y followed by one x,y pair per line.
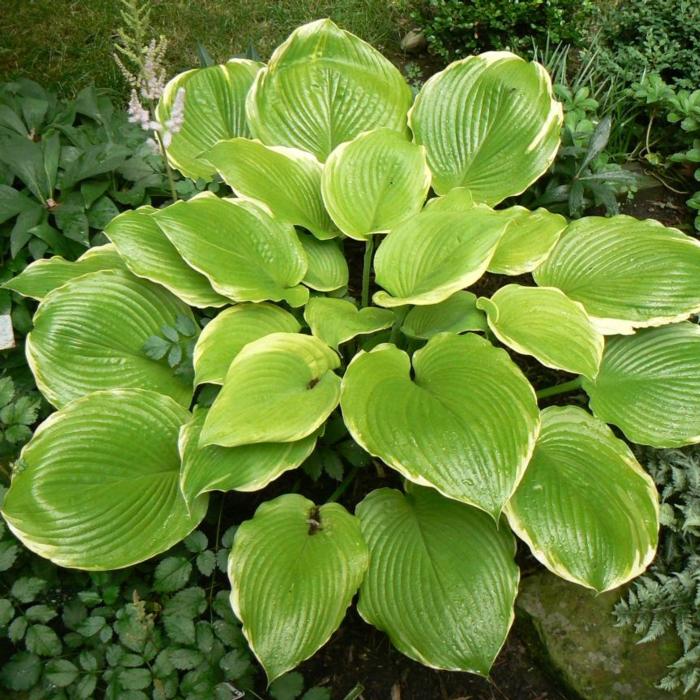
x,y
489,123
245,253
327,267
279,388
374,182
441,581
649,385
336,321
89,335
586,508
229,332
43,276
528,240
627,273
97,486
435,254
294,569
214,110
545,323
324,86
286,180
244,468
456,314
148,253
463,419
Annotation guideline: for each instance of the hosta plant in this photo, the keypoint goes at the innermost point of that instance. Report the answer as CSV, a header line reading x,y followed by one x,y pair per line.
x,y
430,365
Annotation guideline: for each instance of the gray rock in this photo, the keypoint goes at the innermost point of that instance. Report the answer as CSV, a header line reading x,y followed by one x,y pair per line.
x,y
595,659
414,41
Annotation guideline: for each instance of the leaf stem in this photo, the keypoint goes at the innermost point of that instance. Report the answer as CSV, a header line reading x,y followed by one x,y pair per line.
x,y
343,487
557,389
366,269
400,312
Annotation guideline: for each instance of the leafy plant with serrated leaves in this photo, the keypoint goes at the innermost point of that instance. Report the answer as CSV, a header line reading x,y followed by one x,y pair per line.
x,y
327,151
145,632
18,414
667,597
675,151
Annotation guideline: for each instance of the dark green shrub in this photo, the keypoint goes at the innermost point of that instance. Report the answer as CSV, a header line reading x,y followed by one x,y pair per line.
x,y
454,28
661,36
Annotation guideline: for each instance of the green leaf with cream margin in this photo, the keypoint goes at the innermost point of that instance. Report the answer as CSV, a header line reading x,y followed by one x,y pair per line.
x,y
243,468
149,254
89,335
545,323
324,86
230,331
528,240
336,321
465,424
457,314
327,267
43,276
294,569
526,243
585,506
214,110
428,258
649,385
441,582
285,180
280,388
374,182
489,123
627,273
98,483
245,253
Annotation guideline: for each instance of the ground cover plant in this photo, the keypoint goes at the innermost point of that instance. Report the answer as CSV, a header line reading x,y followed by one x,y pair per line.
x,y
326,151
667,597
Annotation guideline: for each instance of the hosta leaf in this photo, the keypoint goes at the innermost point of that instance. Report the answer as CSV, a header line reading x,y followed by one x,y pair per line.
x,y
324,86
294,569
148,253
545,323
489,123
585,507
457,199
243,468
435,254
441,580
328,269
528,240
383,171
98,483
89,335
280,388
43,276
245,253
627,273
649,385
286,180
336,321
463,419
456,314
214,110
227,334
